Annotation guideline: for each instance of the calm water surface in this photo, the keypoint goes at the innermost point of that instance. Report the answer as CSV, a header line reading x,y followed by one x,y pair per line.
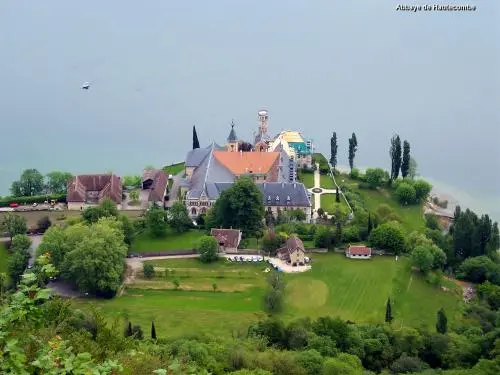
x,y
158,67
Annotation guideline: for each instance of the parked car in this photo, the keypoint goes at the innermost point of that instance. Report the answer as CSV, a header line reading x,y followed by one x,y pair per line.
x,y
13,205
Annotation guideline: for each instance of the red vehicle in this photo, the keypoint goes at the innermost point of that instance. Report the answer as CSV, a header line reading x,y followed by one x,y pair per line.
x,y
13,205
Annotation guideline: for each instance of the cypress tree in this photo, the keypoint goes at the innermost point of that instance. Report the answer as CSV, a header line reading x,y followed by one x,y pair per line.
x,y
442,321
370,224
128,330
196,143
333,151
153,331
388,311
405,164
395,154
353,147
338,230
337,196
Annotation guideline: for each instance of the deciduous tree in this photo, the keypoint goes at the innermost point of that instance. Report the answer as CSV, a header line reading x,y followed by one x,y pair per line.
x,y
422,258
412,169
132,181
148,270
155,221
240,207
422,190
13,224
178,218
406,193
95,262
43,224
375,177
207,248
389,236
57,182
333,151
30,183
405,164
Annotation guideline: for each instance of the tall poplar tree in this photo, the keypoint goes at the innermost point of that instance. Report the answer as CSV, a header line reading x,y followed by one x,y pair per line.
x,y
333,151
395,154
405,164
353,147
196,143
370,224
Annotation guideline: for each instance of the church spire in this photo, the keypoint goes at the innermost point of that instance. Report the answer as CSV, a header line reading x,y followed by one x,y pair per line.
x,y
232,134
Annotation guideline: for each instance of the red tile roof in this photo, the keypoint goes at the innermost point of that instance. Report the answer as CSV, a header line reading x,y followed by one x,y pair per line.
x,y
294,242
228,237
107,186
247,162
159,185
360,250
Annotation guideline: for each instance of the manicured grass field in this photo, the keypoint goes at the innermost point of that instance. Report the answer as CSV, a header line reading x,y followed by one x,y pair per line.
x,y
172,241
195,308
307,179
58,217
358,290
326,182
412,216
336,286
329,204
174,169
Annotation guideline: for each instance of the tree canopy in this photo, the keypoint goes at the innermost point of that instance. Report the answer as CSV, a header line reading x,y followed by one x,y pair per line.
x,y
239,207
178,218
30,183
13,224
57,182
207,248
389,236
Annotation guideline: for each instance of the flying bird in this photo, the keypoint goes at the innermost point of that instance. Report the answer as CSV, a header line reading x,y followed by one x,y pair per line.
x,y
86,86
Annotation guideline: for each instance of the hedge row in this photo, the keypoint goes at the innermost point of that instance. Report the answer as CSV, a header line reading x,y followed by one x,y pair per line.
x,y
60,198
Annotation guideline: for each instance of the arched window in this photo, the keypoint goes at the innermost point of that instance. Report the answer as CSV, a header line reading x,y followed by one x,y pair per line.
x,y
203,210
193,211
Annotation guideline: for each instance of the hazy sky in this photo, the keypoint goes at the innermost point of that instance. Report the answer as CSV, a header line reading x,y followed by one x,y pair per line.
x,y
158,67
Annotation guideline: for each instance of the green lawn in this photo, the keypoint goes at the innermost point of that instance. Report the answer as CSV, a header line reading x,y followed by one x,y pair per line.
x,y
329,204
195,308
412,216
326,182
174,169
307,179
336,286
172,241
358,290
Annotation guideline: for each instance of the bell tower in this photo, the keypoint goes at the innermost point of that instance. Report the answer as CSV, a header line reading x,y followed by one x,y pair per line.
x,y
262,139
232,140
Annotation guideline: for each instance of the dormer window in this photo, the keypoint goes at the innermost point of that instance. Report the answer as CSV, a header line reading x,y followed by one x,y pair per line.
x,y
288,198
269,198
277,198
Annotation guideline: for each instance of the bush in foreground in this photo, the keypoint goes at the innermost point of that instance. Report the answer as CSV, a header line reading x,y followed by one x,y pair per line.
x,y
207,248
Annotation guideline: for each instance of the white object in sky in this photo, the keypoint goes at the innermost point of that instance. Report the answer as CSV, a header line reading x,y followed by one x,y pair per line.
x,y
86,86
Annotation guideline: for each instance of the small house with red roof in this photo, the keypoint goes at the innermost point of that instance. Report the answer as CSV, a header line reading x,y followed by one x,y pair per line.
x,y
155,182
358,252
228,239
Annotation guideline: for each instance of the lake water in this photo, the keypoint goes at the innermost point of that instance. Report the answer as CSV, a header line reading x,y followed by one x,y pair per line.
x,y
158,67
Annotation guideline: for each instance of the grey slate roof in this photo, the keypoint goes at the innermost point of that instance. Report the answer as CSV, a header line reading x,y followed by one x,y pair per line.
x,y
289,194
195,157
208,172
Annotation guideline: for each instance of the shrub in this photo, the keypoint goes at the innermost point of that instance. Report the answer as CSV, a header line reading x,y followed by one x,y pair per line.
x,y
440,203
207,248
422,190
43,224
478,269
354,173
148,270
375,177
406,193
431,221
389,236
351,233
